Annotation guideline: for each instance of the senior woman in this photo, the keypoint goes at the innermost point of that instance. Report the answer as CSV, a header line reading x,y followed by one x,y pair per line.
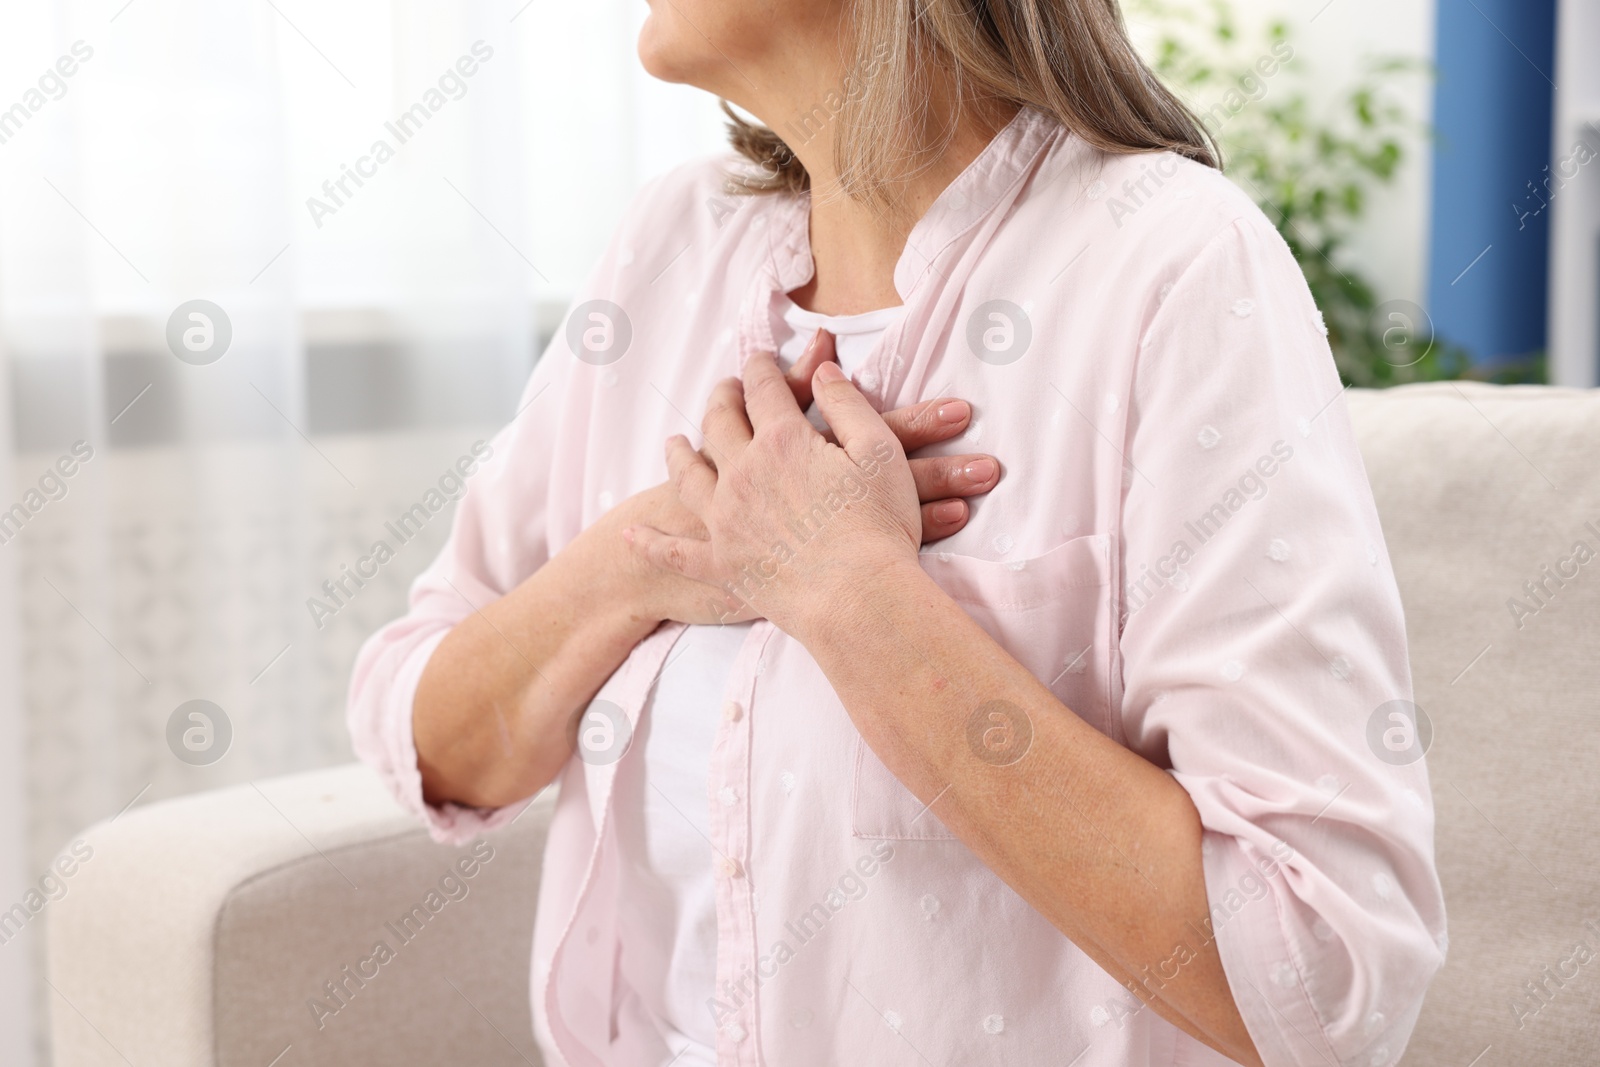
x,y
873,760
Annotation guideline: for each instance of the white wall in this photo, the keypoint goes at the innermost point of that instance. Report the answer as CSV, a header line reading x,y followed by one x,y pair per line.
x,y
1332,38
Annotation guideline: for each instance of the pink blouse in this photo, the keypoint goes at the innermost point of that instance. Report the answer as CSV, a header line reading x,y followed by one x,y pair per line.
x,y
1184,547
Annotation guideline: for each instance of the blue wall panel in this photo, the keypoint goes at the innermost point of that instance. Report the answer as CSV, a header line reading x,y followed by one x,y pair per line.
x,y
1492,108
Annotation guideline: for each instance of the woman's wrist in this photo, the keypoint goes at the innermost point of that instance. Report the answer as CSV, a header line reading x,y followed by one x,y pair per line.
x,y
857,600
611,579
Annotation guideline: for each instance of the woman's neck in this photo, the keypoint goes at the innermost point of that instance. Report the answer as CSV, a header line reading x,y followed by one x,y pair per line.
x,y
856,244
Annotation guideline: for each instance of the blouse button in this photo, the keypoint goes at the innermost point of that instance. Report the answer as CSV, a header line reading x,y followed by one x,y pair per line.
x,y
732,711
727,796
731,867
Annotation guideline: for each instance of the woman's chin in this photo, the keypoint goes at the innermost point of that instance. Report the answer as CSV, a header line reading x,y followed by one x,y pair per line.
x,y
661,57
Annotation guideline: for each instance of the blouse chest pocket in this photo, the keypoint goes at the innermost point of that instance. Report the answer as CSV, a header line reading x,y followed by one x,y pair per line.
x,y
1054,615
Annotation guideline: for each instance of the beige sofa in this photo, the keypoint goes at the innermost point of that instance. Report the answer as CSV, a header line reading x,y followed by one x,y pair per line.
x,y
207,928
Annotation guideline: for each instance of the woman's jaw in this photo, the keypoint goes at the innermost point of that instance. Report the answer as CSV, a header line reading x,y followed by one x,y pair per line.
x,y
768,57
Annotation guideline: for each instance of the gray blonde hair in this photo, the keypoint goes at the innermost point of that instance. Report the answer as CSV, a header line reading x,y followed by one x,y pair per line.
x,y
1070,59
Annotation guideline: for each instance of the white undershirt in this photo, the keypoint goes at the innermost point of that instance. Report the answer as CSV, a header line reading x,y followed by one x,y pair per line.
x,y
661,801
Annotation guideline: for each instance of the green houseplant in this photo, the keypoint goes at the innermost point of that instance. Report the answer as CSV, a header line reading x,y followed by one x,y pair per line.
x,y
1310,168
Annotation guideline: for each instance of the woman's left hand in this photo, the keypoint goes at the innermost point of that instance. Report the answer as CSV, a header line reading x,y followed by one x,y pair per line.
x,y
791,515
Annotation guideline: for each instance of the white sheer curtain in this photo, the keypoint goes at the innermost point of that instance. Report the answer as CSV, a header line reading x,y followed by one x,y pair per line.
x,y
374,336
15,962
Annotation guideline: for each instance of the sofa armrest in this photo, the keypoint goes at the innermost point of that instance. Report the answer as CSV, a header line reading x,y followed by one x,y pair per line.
x,y
301,920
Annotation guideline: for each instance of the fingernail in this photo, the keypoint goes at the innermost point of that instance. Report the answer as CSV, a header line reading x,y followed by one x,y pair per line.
x,y
980,470
953,412
627,534
830,372
948,511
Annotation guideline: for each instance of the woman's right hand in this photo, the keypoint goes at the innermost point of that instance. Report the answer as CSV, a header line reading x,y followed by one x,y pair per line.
x,y
942,484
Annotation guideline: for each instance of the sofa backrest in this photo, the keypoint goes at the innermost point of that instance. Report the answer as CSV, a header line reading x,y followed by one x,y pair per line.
x,y
1490,503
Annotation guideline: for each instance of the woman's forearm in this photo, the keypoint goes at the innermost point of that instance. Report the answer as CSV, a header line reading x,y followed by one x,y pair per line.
x,y
495,708
1101,842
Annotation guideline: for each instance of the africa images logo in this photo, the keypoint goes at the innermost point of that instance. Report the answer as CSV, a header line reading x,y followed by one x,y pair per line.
x,y
199,732
199,332
998,332
599,332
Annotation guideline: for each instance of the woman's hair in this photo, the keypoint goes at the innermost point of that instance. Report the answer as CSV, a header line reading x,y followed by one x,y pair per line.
x,y
893,112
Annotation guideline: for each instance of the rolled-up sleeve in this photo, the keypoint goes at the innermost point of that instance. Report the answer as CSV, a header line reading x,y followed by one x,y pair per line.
x,y
1262,639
